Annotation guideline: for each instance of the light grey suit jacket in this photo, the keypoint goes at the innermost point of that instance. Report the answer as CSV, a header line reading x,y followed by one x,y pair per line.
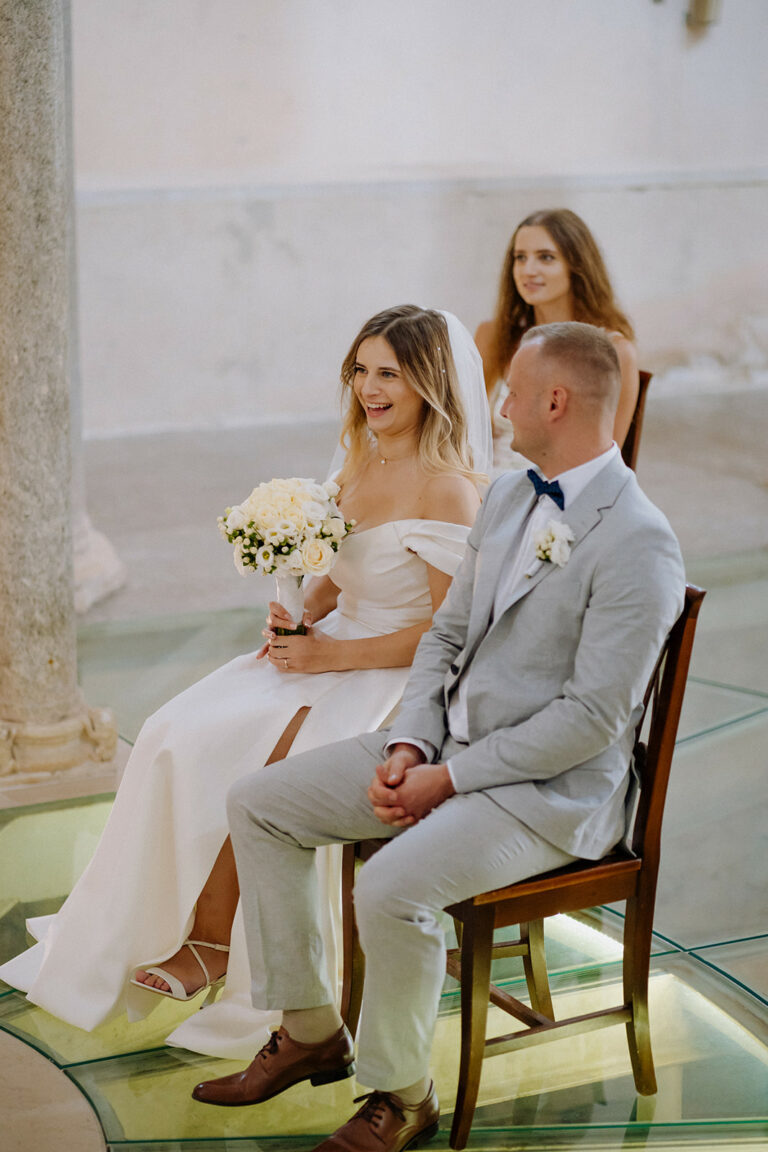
x,y
556,680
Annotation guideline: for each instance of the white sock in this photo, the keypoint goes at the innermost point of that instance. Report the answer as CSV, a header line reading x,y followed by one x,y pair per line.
x,y
414,1093
312,1025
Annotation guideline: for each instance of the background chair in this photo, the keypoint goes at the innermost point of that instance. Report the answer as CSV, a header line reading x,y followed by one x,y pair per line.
x,y
628,873
631,445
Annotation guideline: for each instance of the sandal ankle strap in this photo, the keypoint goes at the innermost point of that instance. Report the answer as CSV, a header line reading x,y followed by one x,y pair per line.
x,y
204,944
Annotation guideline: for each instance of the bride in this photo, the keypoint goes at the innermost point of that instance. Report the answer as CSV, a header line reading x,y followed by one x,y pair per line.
x,y
156,911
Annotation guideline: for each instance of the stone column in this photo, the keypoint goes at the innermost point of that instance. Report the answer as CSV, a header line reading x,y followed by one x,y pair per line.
x,y
44,721
98,569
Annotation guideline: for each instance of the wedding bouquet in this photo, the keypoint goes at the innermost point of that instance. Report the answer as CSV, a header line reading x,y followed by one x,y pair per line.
x,y
291,528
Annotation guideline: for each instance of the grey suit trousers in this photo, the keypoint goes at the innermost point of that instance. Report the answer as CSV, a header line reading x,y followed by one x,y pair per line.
x,y
279,815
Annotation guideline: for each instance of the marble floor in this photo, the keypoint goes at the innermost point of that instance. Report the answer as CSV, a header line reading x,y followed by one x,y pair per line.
x,y
185,610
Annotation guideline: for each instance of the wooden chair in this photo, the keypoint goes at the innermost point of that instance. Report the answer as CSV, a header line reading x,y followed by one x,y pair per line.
x,y
631,445
627,874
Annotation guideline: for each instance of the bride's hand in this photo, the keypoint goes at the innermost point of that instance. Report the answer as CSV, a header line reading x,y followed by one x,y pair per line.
x,y
278,618
312,652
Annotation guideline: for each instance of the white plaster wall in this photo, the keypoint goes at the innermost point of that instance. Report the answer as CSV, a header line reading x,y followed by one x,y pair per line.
x,y
181,92
229,310
256,177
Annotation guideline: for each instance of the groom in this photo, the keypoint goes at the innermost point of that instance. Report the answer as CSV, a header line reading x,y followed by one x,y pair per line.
x,y
509,755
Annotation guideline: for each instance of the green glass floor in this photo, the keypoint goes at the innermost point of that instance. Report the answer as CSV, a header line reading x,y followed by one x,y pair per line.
x,y
709,985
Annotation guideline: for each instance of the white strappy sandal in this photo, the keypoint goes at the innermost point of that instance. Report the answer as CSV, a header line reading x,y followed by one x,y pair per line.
x,y
178,991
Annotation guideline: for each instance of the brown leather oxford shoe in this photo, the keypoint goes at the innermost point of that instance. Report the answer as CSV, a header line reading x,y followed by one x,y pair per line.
x,y
385,1124
281,1063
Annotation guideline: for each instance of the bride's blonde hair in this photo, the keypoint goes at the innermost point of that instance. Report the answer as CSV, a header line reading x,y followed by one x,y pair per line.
x,y
419,339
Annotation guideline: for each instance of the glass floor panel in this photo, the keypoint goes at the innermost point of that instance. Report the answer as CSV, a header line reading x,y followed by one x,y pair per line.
x,y
708,1066
579,1091
743,960
709,987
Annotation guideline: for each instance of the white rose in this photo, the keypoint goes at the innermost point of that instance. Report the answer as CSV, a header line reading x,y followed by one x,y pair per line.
x,y
554,544
311,490
317,556
235,519
559,552
331,489
253,502
314,513
336,527
286,490
266,519
237,556
296,561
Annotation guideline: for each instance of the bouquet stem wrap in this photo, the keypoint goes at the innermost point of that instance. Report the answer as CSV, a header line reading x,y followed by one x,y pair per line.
x,y
289,591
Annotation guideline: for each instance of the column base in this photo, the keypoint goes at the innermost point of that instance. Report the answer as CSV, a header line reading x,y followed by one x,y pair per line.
x,y
91,734
99,571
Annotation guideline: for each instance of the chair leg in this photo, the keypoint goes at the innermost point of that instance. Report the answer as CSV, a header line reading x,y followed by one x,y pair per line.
x,y
638,930
476,949
353,959
535,965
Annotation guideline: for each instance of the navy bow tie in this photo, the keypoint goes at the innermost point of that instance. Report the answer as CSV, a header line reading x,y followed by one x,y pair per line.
x,y
547,488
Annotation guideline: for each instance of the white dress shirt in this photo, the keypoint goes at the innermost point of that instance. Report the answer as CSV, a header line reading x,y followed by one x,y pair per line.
x,y
572,484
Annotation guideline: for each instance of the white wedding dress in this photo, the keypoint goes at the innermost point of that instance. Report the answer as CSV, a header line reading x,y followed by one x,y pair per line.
x,y
134,904
505,457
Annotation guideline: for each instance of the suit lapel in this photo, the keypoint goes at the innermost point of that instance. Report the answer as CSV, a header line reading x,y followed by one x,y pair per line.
x,y
494,557
581,517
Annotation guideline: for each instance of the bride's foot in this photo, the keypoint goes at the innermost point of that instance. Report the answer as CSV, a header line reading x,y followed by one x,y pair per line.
x,y
196,965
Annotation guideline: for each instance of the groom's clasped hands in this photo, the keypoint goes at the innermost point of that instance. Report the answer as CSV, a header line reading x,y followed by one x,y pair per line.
x,y
406,788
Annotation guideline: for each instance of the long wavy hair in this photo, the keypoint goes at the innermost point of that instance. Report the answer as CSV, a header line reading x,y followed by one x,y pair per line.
x,y
419,339
591,291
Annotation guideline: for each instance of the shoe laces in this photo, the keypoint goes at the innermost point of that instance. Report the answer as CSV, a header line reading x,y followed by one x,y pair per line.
x,y
375,1105
271,1046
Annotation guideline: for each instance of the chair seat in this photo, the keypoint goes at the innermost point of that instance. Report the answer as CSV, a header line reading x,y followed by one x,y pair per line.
x,y
579,885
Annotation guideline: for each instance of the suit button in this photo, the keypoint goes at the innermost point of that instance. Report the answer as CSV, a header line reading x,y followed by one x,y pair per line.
x,y
455,669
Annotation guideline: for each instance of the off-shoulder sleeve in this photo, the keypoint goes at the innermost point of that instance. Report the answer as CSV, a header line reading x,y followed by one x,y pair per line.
x,y
437,542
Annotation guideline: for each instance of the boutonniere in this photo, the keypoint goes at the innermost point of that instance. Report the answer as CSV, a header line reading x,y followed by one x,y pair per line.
x,y
553,544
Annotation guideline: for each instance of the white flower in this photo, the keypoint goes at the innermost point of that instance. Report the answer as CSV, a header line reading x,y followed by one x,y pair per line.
x,y
236,518
314,491
290,528
336,527
331,489
317,556
237,556
296,561
265,558
554,543
252,505
314,513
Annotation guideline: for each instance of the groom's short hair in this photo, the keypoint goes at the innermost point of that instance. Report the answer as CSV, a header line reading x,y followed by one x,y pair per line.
x,y
585,352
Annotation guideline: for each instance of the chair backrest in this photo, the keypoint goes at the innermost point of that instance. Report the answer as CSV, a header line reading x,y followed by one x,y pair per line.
x,y
663,703
631,445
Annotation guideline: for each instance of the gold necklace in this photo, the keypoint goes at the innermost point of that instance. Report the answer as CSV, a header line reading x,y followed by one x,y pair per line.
x,y
394,459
